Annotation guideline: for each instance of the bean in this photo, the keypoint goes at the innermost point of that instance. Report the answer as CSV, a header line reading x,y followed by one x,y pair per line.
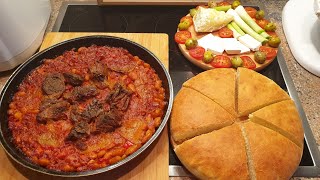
x,y
43,161
12,105
93,155
91,161
67,168
35,159
157,121
87,77
34,111
107,155
82,49
157,112
146,65
39,150
132,87
101,153
21,93
149,118
133,75
18,115
115,159
158,84
131,149
136,58
95,165
118,151
147,136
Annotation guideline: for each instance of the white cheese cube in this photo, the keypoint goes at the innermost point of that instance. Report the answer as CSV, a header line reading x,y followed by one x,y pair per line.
x,y
211,43
244,49
233,46
250,42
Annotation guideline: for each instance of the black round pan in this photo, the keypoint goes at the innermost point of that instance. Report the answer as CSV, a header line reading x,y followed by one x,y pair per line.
x,y
22,71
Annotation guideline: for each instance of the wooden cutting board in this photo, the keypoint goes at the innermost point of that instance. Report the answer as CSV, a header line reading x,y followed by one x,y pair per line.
x,y
152,164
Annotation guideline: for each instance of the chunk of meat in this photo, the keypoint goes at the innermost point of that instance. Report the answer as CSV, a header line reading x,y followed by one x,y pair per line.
x,y
73,79
108,122
47,102
53,112
80,130
119,98
98,72
81,93
93,109
53,84
121,65
81,145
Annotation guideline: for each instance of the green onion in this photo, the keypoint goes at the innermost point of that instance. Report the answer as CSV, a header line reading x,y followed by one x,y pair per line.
x,y
245,16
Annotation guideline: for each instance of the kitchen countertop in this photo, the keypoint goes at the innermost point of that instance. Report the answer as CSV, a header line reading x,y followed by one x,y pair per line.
x,y
306,84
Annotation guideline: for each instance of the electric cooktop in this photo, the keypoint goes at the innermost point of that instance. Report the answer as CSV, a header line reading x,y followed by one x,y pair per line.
x,y
84,17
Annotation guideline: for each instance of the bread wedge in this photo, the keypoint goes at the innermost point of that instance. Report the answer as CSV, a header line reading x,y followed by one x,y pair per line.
x,y
217,155
218,84
194,114
272,155
282,117
256,91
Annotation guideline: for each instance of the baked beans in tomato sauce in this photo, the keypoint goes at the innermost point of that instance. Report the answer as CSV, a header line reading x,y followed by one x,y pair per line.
x,y
86,109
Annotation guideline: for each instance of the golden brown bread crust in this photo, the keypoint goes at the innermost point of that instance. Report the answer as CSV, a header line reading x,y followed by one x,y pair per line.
x,y
218,84
217,155
194,114
273,155
283,115
256,91
267,146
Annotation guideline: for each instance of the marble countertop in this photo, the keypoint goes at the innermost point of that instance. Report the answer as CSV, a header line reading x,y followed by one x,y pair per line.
x,y
306,84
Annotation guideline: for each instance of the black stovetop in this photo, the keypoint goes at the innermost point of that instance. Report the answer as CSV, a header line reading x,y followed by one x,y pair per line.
x,y
152,19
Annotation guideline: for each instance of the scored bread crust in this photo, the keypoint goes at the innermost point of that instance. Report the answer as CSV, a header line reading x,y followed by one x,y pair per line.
x,y
218,84
273,155
273,119
282,117
208,156
256,91
195,114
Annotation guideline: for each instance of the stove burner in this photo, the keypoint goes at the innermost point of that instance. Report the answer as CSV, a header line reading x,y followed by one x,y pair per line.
x,y
115,23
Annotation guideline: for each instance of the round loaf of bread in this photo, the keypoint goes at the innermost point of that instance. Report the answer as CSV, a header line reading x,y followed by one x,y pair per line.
x,y
236,124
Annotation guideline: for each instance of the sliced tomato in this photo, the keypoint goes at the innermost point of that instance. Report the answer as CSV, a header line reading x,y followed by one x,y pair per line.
x,y
181,36
225,32
197,52
221,61
248,62
251,11
270,52
262,23
187,18
223,3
